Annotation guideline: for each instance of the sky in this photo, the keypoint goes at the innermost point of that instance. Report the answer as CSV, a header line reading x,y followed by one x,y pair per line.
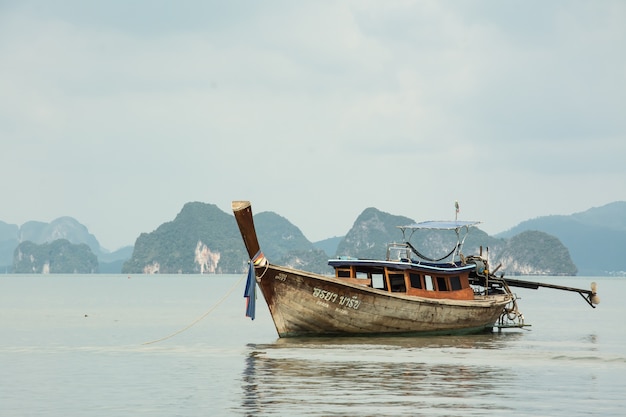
x,y
118,113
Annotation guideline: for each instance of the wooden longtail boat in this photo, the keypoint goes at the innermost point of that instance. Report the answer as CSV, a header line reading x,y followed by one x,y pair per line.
x,y
401,295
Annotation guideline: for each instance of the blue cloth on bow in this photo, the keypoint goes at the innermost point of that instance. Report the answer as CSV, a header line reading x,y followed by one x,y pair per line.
x,y
250,293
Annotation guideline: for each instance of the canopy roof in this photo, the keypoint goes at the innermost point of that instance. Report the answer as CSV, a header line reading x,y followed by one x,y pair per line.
x,y
440,225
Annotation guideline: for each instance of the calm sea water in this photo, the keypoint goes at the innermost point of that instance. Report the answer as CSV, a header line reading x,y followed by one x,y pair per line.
x,y
80,346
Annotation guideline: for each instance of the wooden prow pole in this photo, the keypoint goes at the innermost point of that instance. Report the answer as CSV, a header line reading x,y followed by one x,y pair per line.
x,y
243,215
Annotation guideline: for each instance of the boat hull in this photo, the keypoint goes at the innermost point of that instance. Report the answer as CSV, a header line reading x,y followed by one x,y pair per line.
x,y
307,304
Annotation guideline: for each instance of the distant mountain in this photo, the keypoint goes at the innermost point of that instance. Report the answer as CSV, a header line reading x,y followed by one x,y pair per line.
x,y
58,256
534,253
63,228
595,238
201,239
204,239
370,233
528,253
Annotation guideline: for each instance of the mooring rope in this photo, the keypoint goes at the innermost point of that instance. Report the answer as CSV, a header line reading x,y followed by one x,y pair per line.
x,y
224,297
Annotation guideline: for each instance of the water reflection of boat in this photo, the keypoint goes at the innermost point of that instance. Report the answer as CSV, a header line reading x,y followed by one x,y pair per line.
x,y
405,294
399,375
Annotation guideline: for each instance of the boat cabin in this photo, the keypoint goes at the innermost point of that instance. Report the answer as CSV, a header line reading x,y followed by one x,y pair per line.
x,y
400,274
424,276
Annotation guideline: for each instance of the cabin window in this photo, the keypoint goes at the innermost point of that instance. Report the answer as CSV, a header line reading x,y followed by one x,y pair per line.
x,y
396,283
455,283
361,275
416,280
442,284
378,281
430,284
343,272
